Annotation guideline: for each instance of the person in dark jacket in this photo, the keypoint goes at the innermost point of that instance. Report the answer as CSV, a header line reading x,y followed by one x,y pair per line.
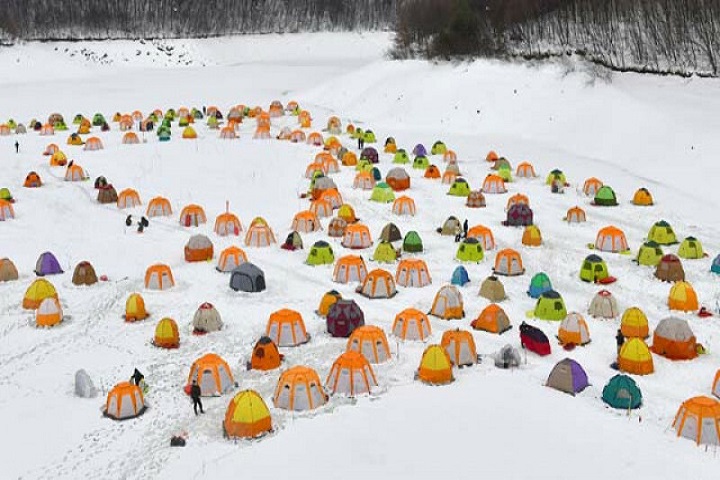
x,y
195,395
128,220
17,147
137,377
620,339
465,228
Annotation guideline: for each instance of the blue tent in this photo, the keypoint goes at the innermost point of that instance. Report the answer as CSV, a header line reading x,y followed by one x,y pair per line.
x,y
715,268
539,284
376,174
460,276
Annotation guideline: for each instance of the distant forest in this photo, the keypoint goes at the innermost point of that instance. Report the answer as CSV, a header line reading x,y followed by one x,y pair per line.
x,y
660,36
131,19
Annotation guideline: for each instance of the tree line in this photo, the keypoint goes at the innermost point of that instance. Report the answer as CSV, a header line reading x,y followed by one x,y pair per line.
x,y
661,36
132,19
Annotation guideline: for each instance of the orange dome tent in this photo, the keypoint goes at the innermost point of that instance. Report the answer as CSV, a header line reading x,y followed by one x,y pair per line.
x,y
6,210
448,303
58,159
698,419
306,222
259,234
494,184
128,198
199,248
682,297
135,308
460,346
492,319
287,328
364,180
351,375
575,215
412,272
231,258
411,324
51,149
484,235
635,358
634,323
525,170
370,341
377,284
159,207
357,236
508,262
492,156
591,186
130,138
159,277
611,239
404,206
327,301
192,216
125,400
212,374
299,389
38,291
432,172
435,366
573,330
75,173
516,199
265,355
247,416
166,334
674,339
333,197
643,198
321,208
350,268
49,313
93,143
227,224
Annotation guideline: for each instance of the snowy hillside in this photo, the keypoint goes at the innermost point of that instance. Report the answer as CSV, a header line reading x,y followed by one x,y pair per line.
x,y
631,132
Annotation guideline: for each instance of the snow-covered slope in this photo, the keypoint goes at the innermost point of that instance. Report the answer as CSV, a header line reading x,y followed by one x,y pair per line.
x,y
631,132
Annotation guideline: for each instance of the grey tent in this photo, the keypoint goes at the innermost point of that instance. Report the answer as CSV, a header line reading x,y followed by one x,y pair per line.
x,y
247,278
508,357
391,233
84,387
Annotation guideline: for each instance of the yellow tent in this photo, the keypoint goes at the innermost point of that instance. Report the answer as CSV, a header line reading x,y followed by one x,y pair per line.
x,y
38,291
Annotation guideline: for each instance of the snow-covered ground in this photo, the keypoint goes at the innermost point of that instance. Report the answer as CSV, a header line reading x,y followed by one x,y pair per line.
x,y
631,132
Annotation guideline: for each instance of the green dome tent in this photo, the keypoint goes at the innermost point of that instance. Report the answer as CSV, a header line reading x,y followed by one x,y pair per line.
x,y
662,233
401,157
320,253
412,242
459,188
550,306
649,254
691,249
622,392
438,148
382,193
421,162
556,176
470,250
605,197
385,252
594,269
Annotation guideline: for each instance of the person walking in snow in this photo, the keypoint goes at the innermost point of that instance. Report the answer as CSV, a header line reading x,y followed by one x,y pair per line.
x,y
465,228
195,395
17,146
620,339
361,142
